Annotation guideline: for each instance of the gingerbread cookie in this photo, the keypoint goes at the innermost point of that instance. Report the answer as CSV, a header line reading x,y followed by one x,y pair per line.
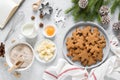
x,y
96,31
84,58
86,45
70,43
91,61
86,30
91,38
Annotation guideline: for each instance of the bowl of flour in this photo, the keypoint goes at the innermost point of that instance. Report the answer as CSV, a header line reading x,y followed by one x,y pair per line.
x,y
20,49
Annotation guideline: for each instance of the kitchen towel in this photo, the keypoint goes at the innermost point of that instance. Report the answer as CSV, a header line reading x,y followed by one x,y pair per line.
x,y
115,48
65,71
110,70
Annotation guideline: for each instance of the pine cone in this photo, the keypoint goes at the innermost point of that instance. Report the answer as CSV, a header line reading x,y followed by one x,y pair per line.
x,y
116,26
83,3
104,10
2,50
105,19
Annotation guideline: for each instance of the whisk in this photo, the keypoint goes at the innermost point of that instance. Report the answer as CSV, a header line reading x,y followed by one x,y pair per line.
x,y
18,18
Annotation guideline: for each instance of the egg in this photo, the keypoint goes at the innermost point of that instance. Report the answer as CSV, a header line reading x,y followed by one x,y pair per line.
x,y
50,30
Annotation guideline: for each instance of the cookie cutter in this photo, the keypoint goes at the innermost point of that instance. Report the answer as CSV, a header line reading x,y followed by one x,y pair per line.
x,y
45,8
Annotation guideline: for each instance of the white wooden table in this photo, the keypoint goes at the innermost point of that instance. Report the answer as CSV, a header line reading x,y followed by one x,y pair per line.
x,y
35,72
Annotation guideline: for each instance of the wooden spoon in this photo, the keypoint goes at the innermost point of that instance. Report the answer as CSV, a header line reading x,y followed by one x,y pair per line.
x,y
17,63
36,5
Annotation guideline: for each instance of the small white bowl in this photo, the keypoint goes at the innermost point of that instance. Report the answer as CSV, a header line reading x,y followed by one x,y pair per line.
x,y
44,33
8,57
37,54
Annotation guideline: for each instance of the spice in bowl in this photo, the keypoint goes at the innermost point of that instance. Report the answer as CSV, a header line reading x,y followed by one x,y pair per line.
x,y
50,31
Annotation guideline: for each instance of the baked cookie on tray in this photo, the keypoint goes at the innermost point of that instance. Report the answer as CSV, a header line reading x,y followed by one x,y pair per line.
x,y
86,45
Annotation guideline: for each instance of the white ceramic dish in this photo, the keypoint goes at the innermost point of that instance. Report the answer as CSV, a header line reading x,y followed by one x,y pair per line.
x,y
29,30
8,57
37,54
81,24
44,33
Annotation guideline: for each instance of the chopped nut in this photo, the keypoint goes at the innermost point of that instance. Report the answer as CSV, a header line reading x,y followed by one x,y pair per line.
x,y
41,16
17,74
13,40
32,17
35,7
41,25
5,64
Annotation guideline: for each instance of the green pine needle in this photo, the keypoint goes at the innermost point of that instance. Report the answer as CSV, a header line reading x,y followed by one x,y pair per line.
x,y
119,16
106,2
69,10
114,6
75,1
91,12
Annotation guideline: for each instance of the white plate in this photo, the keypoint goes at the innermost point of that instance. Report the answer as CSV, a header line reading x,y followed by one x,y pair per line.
x,y
37,54
102,31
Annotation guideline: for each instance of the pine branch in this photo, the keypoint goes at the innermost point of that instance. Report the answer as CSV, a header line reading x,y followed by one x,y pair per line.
x,y
99,18
106,2
98,5
76,12
119,16
69,10
114,6
91,12
91,2
75,1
